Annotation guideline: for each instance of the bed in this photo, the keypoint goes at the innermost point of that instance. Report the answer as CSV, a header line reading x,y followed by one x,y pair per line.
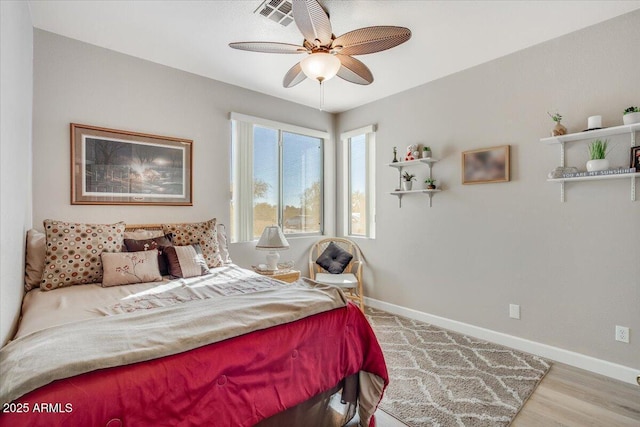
x,y
228,348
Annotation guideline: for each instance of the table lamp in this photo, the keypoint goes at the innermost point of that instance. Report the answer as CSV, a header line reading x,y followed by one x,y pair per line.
x,y
272,238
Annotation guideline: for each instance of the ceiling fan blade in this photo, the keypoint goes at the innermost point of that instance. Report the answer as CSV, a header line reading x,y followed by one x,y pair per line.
x,y
370,40
294,76
268,47
312,21
354,71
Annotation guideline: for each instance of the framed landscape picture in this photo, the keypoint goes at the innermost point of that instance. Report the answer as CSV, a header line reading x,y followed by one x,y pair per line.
x,y
486,165
116,167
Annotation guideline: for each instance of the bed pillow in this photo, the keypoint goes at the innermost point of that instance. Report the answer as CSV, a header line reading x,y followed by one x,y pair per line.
x,y
223,244
201,233
126,268
133,245
34,259
73,252
334,259
141,233
185,261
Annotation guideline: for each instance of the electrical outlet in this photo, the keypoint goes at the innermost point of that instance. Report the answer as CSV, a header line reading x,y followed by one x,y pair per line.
x,y
622,334
514,311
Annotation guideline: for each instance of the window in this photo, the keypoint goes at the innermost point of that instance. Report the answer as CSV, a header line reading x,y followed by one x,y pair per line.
x,y
359,155
276,178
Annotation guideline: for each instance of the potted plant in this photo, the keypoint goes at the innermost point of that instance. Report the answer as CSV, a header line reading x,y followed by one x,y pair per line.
x,y
407,181
426,152
559,128
597,154
631,116
431,183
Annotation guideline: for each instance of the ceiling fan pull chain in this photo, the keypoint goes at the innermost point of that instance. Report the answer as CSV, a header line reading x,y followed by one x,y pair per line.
x,y
321,96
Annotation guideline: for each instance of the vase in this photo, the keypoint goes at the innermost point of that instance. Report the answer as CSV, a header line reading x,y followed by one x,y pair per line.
x,y
597,165
431,187
558,130
631,118
406,185
426,154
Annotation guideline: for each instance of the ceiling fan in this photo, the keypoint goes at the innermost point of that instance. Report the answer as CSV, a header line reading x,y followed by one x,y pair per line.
x,y
329,55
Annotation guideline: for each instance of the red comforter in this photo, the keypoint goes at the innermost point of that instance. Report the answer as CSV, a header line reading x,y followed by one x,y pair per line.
x,y
237,382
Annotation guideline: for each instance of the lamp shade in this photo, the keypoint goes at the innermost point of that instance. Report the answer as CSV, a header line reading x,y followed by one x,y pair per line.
x,y
320,66
272,238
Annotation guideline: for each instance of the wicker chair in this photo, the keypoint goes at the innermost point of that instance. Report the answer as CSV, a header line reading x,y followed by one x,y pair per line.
x,y
350,281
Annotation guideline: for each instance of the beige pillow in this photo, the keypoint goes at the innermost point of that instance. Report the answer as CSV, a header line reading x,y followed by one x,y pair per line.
x,y
142,234
200,233
34,265
125,268
73,252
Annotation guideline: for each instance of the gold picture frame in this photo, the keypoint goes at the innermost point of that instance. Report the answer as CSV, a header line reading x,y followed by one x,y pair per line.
x,y
118,167
486,165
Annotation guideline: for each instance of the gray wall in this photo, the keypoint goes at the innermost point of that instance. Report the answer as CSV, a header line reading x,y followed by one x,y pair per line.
x,y
16,95
81,83
574,268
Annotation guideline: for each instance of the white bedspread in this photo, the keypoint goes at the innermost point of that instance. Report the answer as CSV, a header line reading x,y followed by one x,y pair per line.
x,y
70,331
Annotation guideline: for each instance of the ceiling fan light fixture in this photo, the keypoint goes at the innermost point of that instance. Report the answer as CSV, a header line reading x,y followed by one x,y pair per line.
x,y
320,66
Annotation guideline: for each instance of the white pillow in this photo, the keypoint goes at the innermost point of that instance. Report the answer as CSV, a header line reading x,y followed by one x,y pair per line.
x,y
125,268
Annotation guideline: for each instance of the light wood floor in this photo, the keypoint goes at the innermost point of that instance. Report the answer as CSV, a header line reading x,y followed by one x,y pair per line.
x,y
570,397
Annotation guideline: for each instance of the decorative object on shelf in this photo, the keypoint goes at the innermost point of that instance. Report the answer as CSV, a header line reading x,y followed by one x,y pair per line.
x,y
271,240
430,183
119,167
631,115
407,181
561,171
486,165
607,172
410,150
426,152
597,154
559,128
635,158
395,155
594,122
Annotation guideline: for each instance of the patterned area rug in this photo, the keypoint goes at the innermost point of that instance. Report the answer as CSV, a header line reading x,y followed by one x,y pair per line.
x,y
442,378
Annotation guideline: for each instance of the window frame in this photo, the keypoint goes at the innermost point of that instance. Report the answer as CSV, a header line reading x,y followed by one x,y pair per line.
x,y
237,236
369,133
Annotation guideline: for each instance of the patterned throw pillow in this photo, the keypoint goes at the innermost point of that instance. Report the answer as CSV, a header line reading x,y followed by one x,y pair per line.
x,y
334,259
73,252
201,233
185,261
125,268
149,244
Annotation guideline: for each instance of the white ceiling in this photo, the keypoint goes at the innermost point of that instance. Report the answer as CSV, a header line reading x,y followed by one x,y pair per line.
x,y
448,36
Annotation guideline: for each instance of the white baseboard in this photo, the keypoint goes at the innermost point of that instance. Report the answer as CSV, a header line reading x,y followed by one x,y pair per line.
x,y
599,366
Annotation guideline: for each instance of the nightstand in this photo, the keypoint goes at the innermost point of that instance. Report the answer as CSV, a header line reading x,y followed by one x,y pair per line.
x,y
288,276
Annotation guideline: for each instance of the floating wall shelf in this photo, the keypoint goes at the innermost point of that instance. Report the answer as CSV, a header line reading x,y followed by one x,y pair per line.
x,y
589,135
401,165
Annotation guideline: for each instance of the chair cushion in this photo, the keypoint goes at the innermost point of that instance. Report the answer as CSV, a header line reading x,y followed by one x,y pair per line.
x,y
346,280
334,259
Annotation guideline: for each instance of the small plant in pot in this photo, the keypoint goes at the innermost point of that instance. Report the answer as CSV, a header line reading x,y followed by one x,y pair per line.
x,y
559,128
426,152
431,183
631,116
407,181
598,153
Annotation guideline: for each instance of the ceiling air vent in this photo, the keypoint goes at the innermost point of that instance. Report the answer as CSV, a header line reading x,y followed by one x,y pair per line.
x,y
277,10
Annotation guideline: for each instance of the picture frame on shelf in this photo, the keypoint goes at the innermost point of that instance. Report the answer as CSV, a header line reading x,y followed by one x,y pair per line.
x,y
635,158
486,165
117,167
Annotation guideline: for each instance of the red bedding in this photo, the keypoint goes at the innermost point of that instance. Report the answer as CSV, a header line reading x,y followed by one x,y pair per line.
x,y
237,382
